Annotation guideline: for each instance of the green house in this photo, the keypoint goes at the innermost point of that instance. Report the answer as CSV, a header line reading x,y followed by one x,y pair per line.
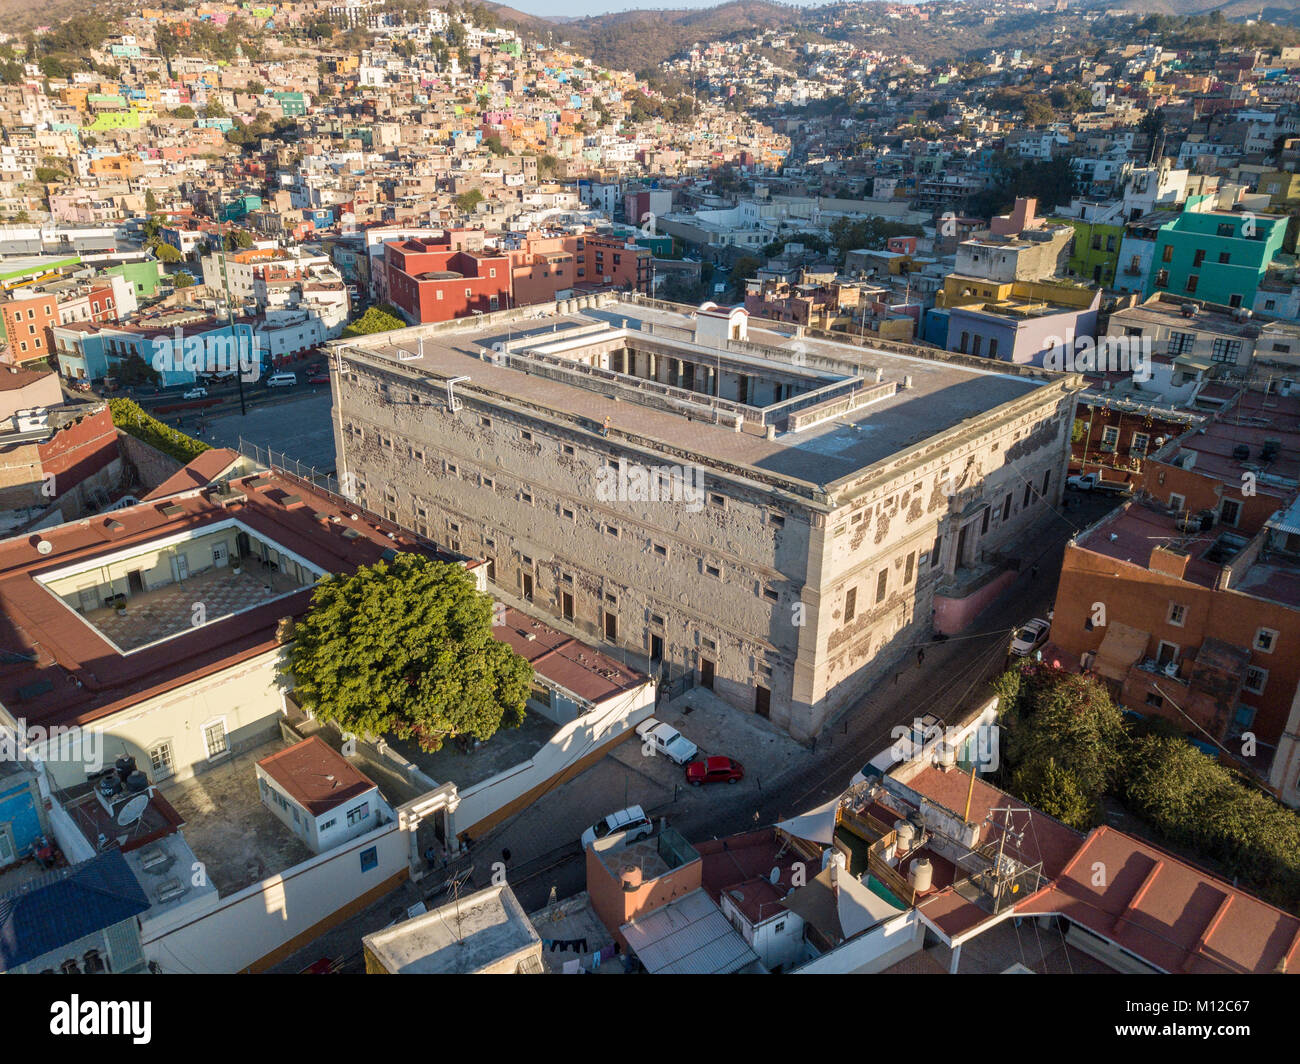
x,y
1215,256
1095,254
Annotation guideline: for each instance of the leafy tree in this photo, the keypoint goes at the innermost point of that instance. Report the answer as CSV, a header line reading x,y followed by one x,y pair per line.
x,y
378,319
164,252
406,648
47,175
745,267
183,111
467,202
150,201
182,279
213,109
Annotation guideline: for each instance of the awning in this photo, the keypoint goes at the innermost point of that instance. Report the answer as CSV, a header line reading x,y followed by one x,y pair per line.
x,y
1201,362
818,825
1121,648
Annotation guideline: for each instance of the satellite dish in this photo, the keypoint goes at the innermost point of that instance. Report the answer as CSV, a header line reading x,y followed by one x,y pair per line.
x,y
133,810
44,546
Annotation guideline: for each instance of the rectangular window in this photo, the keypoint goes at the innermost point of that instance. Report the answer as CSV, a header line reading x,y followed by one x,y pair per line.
x,y
713,571
659,549
1167,254
1265,640
1224,258
359,813
160,759
1162,278
882,585
1224,350
1177,614
771,594
934,551
214,737
850,604
909,567
1198,258
1192,280
1180,342
1256,679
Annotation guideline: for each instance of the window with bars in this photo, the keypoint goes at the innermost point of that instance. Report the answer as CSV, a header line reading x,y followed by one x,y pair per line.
x,y
1180,342
1224,350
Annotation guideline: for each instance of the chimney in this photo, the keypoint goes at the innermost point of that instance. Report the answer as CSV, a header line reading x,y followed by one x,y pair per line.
x,y
835,878
1169,561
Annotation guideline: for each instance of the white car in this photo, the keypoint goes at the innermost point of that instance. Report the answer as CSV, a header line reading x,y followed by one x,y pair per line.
x,y
1029,637
667,740
631,820
196,393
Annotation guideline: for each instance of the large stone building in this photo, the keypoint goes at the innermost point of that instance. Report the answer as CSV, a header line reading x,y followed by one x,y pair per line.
x,y
774,514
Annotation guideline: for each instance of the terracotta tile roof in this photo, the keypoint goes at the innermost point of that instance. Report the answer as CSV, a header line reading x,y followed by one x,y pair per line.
x,y
315,775
204,469
1168,913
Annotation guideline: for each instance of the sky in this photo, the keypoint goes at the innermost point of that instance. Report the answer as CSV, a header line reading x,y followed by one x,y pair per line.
x,y
581,8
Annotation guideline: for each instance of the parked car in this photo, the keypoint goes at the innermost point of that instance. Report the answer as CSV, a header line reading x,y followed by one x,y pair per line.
x,y
1093,482
319,378
714,770
1029,637
667,740
631,820
196,393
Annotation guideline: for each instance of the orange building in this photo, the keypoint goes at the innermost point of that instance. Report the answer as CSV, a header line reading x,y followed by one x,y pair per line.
x,y
1187,600
28,324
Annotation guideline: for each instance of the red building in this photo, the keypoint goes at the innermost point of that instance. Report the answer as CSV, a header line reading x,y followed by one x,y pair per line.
x,y
429,282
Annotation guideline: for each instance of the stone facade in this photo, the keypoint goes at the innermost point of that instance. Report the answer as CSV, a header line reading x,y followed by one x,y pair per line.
x,y
788,593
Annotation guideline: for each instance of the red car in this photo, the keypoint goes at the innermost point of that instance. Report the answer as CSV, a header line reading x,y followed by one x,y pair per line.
x,y
319,378
714,770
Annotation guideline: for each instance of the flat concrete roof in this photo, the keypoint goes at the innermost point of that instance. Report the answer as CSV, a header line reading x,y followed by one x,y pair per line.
x,y
942,394
460,938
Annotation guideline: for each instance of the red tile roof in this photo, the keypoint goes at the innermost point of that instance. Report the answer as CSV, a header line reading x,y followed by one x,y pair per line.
x,y
204,469
1165,911
315,775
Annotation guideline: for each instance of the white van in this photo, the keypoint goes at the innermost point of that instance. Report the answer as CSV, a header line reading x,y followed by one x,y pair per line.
x,y
282,380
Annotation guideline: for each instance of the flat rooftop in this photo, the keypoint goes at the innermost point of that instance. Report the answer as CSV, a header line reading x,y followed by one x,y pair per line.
x,y
237,838
943,393
460,938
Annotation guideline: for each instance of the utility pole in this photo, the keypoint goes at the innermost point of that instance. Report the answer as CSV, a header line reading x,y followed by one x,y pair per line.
x,y
230,317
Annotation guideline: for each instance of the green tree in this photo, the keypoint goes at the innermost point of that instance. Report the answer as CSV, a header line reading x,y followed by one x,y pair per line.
x,y
406,649
467,202
745,267
150,201
375,320
183,111
164,252
213,109
182,279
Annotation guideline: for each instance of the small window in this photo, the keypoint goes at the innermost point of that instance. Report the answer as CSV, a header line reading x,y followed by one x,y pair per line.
x,y
358,814
566,448
485,422
775,519
1266,640
659,549
526,497
717,500
1256,679
882,585
613,530
488,482
566,513
771,594
713,571
214,738
850,604
1177,614
525,435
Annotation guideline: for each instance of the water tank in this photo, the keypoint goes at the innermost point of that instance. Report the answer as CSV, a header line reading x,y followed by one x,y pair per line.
x,y
124,766
109,786
920,874
906,835
831,855
945,756
631,878
137,782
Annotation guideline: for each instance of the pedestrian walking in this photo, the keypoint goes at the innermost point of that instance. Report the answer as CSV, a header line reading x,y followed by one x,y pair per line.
x,y
920,657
